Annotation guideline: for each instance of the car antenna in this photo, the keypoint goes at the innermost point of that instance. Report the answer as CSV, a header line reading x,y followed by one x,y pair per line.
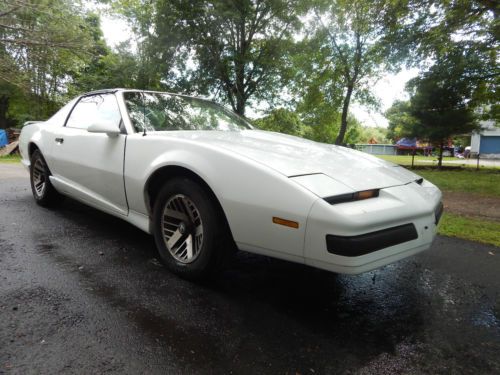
x,y
144,114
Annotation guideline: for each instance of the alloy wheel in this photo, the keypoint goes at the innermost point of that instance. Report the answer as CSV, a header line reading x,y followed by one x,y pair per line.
x,y
182,228
39,181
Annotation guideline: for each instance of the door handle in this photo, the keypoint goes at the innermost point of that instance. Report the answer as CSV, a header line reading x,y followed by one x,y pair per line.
x,y
59,140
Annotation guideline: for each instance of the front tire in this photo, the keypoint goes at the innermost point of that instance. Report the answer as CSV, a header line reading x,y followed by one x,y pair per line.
x,y
43,191
189,230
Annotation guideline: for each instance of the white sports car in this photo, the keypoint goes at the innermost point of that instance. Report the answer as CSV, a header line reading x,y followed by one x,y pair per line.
x,y
205,182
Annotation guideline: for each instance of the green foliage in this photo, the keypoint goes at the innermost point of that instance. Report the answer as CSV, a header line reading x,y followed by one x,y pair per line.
x,y
42,42
283,121
234,50
401,121
349,49
106,68
368,133
441,102
52,50
325,133
289,122
462,35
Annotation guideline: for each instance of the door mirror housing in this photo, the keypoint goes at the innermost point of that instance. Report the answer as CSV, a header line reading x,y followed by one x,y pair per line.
x,y
104,127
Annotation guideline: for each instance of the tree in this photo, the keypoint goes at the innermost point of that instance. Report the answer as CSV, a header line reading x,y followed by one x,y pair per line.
x,y
401,121
349,49
440,106
159,55
283,121
41,41
368,133
234,50
466,32
106,68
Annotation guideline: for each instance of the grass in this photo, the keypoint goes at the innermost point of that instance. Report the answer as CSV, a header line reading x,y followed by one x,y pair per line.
x,y
406,160
472,229
16,158
483,182
431,161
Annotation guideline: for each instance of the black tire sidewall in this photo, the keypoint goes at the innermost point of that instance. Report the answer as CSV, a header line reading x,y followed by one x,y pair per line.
x,y
204,264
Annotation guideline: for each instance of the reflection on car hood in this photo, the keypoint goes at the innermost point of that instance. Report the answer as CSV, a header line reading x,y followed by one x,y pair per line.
x,y
294,156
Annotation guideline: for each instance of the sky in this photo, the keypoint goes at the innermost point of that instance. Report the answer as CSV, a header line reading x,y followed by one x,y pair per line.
x,y
388,89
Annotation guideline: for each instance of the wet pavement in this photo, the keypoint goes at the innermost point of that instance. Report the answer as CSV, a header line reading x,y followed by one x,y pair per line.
x,y
82,292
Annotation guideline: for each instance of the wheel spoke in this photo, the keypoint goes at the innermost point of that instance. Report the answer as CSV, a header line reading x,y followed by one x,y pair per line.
x,y
39,168
187,209
174,239
189,246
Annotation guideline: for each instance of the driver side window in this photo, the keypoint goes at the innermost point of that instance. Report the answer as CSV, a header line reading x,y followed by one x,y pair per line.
x,y
94,109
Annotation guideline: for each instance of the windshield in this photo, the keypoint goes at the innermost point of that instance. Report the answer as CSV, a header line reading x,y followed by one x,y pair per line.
x,y
161,111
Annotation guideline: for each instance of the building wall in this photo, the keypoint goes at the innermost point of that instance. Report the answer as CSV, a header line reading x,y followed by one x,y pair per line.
x,y
377,149
491,143
475,140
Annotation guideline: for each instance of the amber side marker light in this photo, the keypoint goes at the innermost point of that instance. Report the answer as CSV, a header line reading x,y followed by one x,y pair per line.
x,y
367,194
286,223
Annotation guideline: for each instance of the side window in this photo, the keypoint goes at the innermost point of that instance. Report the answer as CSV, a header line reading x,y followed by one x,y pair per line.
x,y
141,115
60,116
95,109
135,107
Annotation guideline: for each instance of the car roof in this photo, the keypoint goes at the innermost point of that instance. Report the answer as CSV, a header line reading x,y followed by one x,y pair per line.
x,y
114,90
102,91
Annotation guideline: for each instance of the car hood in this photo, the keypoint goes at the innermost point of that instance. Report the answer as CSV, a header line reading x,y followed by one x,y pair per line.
x,y
294,156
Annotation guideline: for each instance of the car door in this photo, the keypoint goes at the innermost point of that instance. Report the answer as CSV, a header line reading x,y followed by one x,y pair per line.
x,y
89,166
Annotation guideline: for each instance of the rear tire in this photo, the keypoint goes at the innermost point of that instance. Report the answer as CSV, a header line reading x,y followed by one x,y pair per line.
x,y
189,229
43,191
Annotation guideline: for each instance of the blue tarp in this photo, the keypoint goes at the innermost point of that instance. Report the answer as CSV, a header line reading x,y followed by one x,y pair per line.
x,y
407,142
3,138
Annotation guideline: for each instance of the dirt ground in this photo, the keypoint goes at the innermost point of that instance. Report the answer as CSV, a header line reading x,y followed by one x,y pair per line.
x,y
467,204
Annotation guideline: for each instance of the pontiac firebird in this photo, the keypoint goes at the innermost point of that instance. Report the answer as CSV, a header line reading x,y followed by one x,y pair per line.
x,y
204,182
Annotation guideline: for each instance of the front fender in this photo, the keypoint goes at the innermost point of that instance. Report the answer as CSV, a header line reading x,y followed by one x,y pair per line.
x,y
250,193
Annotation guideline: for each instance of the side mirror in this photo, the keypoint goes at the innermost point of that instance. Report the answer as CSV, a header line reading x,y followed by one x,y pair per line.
x,y
104,127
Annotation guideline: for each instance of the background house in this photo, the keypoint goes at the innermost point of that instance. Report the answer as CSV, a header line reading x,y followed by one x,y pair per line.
x,y
487,141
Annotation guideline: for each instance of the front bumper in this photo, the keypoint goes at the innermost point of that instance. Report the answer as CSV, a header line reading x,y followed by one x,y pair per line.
x,y
353,246
360,236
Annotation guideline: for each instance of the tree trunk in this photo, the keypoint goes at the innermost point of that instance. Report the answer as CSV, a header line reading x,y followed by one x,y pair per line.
x,y
4,106
240,67
440,159
345,111
240,105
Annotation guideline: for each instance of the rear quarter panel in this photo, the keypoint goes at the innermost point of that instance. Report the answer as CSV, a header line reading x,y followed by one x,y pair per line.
x,y
42,135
